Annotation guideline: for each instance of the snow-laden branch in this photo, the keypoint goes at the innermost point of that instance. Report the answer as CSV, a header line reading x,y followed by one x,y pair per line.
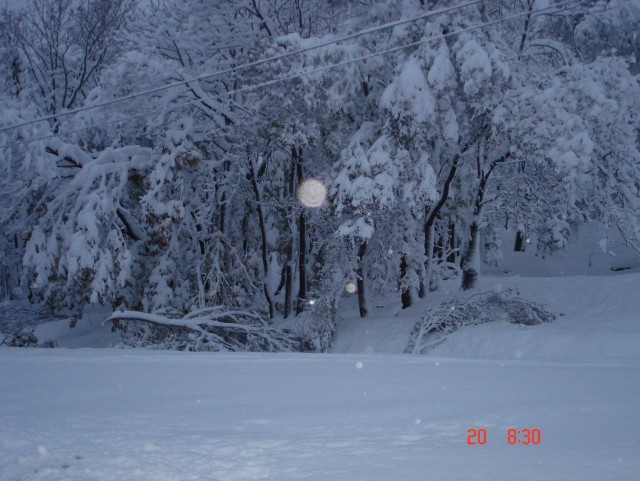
x,y
443,320
209,322
554,45
195,323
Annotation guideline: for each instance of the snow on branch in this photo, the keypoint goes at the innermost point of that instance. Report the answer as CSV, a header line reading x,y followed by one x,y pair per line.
x,y
554,45
442,320
227,329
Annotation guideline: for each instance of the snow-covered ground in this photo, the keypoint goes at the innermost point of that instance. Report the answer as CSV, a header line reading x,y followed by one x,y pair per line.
x,y
598,317
106,415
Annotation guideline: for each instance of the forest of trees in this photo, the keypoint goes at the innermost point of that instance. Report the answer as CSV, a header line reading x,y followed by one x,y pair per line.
x,y
238,161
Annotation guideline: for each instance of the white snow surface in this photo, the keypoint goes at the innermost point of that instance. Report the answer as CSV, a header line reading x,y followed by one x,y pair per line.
x,y
597,318
105,415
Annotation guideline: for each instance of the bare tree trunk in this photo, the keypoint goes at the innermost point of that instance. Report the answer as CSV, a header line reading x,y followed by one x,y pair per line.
x,y
405,295
302,263
519,244
429,223
452,242
470,259
288,287
263,235
527,21
288,278
438,243
302,247
361,273
425,282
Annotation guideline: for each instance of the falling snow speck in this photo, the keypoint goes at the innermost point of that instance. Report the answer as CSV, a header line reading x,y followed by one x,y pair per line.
x,y
312,193
359,365
351,288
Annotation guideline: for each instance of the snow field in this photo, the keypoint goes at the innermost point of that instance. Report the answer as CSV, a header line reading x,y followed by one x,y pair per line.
x,y
365,412
104,415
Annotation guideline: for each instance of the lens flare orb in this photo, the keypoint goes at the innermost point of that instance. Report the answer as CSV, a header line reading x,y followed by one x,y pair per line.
x,y
312,193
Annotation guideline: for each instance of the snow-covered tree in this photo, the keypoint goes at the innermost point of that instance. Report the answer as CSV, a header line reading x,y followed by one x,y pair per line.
x,y
82,246
583,124
64,45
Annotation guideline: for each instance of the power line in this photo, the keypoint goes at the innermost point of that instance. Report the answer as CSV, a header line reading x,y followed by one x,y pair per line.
x,y
294,75
247,65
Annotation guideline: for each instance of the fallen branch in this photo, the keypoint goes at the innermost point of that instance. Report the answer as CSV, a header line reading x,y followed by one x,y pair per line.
x,y
443,320
220,327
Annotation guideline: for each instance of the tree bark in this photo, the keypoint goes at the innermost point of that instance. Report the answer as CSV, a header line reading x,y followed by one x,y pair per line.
x,y
405,295
470,260
302,263
288,279
519,244
429,223
452,242
263,236
302,247
525,31
288,287
361,273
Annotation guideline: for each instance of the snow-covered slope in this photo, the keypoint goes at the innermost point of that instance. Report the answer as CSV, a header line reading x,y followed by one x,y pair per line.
x,y
96,414
598,317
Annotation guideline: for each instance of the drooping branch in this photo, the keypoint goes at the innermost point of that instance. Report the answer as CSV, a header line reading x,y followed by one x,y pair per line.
x,y
131,226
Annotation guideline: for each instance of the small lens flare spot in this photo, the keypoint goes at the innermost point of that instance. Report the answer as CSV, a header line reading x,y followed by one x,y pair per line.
x,y
312,193
351,288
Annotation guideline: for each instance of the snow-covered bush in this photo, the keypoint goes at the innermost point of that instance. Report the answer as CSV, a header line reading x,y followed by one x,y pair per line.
x,y
439,322
17,322
16,316
313,330
25,338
